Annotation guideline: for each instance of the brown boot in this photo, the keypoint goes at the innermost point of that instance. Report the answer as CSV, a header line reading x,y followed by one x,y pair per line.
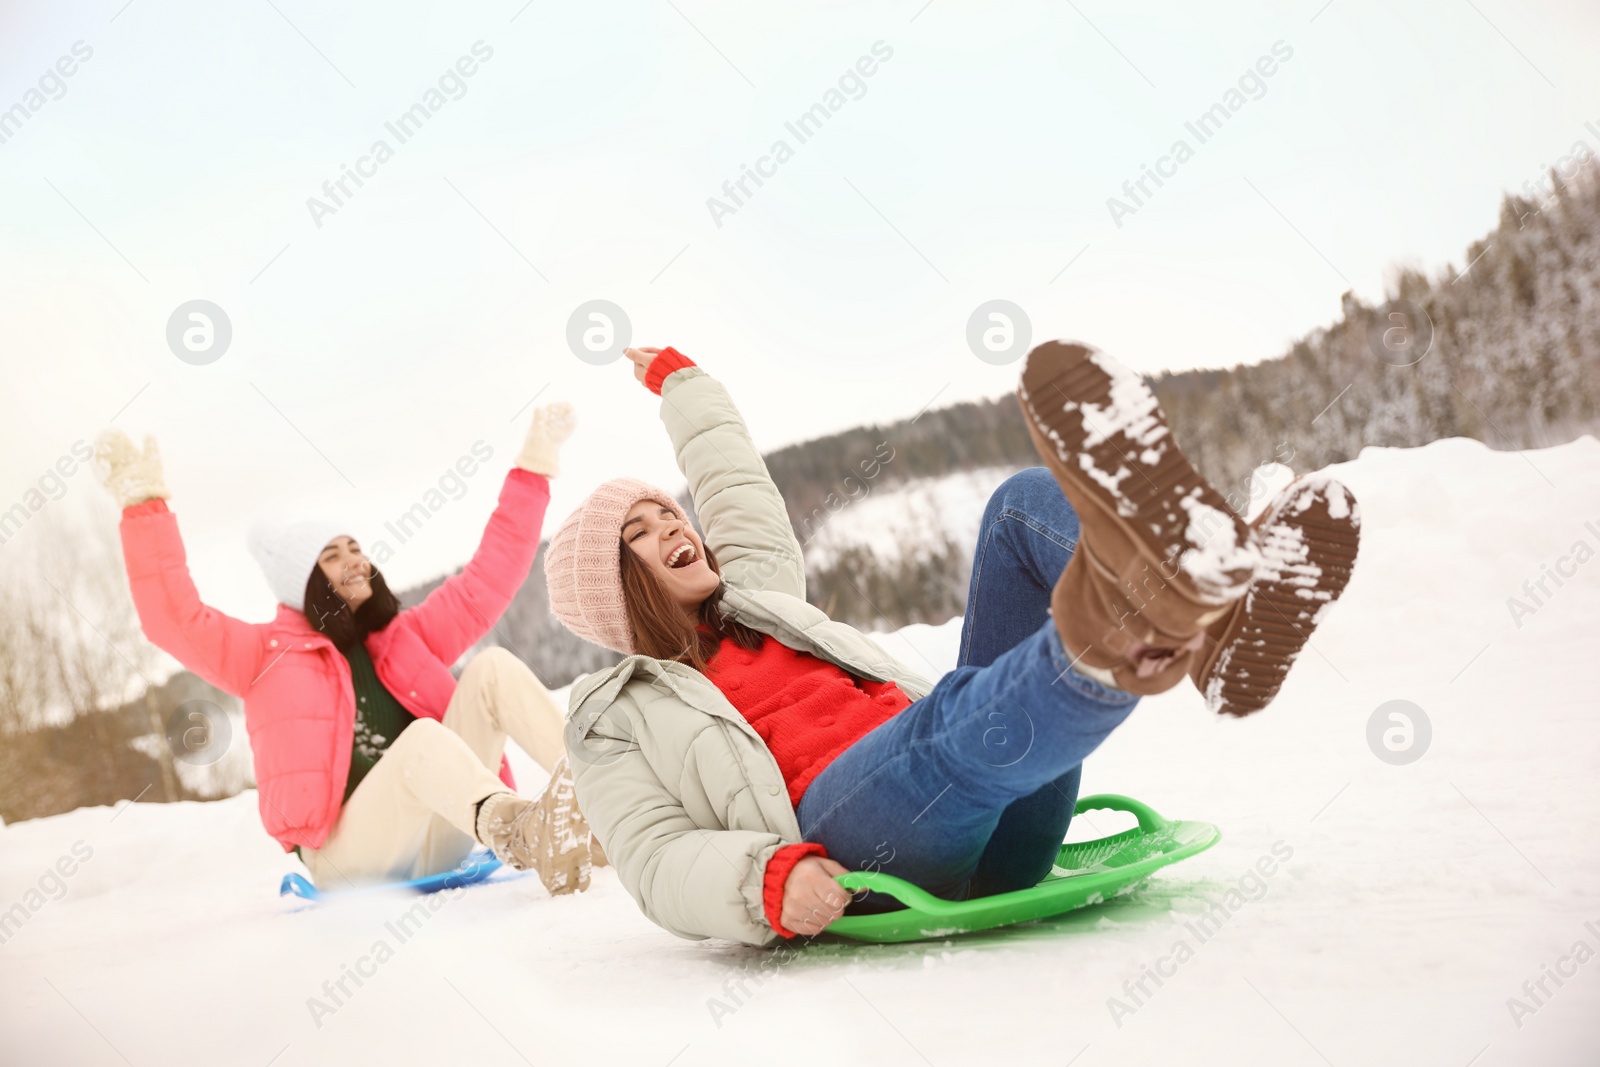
x,y
1309,536
1161,555
549,835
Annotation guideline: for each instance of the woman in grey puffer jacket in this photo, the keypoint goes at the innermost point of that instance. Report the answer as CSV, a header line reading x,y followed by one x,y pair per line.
x,y
749,749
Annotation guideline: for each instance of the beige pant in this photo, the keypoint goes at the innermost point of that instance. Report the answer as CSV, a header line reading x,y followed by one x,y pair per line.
x,y
412,815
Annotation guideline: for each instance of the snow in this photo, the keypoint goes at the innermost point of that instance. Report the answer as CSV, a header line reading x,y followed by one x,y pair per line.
x,y
1222,565
1355,912
1266,481
894,522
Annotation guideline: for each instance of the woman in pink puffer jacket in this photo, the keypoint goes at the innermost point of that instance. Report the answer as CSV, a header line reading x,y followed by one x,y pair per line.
x,y
372,761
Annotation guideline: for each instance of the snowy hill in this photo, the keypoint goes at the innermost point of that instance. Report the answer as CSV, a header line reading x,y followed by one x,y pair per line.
x,y
896,521
1406,906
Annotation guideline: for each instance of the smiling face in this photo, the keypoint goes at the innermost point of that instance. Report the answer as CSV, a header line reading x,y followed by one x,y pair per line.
x,y
348,570
672,551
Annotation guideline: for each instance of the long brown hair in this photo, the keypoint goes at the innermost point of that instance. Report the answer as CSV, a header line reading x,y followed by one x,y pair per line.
x,y
660,628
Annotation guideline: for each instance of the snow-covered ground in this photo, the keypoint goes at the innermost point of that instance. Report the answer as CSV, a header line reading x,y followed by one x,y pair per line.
x,y
1407,904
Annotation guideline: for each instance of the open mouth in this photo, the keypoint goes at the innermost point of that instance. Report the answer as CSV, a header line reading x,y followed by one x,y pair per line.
x,y
682,556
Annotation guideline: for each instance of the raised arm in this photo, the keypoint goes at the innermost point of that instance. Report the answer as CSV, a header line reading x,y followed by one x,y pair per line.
x,y
455,616
741,511
225,651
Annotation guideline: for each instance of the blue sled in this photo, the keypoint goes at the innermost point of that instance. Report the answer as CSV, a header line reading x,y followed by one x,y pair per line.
x,y
472,870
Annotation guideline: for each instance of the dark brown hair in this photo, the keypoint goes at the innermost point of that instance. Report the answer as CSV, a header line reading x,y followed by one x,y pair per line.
x,y
660,628
328,613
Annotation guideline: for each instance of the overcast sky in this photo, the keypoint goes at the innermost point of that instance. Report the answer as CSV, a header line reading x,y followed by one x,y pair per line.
x,y
378,337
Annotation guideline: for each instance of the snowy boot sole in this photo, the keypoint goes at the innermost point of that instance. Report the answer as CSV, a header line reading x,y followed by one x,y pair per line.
x,y
1309,537
1161,556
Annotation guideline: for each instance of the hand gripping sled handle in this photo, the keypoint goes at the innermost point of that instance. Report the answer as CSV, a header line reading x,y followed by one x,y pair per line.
x,y
1150,820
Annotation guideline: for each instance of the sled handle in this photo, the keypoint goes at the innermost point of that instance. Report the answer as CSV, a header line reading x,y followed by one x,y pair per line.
x,y
1150,820
903,891
916,897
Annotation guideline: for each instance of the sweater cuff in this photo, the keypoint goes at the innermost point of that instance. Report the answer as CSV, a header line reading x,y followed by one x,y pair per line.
x,y
153,506
777,877
667,360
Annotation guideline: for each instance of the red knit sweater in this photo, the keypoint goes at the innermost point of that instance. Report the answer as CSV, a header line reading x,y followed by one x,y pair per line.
x,y
806,709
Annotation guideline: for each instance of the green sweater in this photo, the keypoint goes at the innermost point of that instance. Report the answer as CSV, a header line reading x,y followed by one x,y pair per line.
x,y
379,718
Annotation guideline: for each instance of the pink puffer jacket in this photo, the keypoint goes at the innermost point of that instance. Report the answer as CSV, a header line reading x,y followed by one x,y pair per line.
x,y
299,703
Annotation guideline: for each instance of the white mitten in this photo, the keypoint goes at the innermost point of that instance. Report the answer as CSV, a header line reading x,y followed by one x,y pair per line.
x,y
552,424
131,476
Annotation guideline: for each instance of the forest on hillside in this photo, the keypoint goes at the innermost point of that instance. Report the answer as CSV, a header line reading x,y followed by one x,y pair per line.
x,y
1505,349
1507,352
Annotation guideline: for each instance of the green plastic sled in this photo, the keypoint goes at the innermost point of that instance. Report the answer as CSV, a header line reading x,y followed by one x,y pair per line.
x,y
1086,872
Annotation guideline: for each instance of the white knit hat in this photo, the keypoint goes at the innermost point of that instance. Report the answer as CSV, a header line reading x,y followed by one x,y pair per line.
x,y
583,564
288,554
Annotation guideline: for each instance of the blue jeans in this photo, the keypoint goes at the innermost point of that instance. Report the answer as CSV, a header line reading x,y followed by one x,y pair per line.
x,y
969,791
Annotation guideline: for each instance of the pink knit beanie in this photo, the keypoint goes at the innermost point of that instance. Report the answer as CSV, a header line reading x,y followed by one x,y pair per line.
x,y
583,565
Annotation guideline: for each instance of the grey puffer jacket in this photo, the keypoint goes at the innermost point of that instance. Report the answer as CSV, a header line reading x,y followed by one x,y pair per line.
x,y
685,797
